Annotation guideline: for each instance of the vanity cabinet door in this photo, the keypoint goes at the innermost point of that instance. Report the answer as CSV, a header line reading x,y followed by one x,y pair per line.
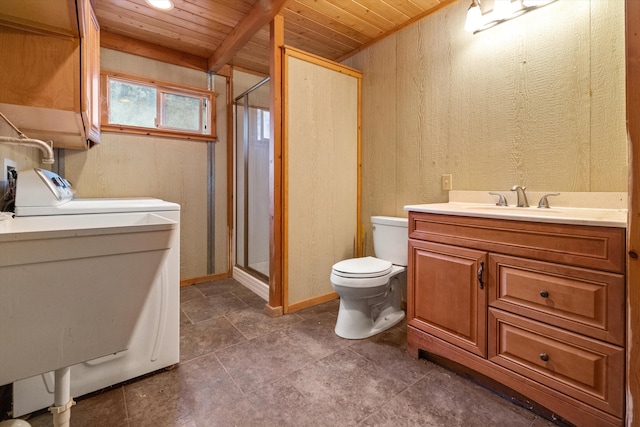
x,y
447,294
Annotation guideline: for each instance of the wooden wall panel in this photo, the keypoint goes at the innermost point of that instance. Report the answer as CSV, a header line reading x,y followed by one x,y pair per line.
x,y
321,176
538,101
379,142
608,128
140,166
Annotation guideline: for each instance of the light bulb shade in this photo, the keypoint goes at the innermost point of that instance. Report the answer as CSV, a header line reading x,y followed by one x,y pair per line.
x,y
160,4
474,18
504,9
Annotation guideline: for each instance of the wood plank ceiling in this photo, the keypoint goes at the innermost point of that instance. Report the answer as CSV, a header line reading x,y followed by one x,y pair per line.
x,y
209,33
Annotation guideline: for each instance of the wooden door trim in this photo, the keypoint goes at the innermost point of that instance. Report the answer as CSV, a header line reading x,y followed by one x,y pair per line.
x,y
632,38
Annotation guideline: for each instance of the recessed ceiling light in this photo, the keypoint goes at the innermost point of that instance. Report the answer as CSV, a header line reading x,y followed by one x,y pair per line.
x,y
160,4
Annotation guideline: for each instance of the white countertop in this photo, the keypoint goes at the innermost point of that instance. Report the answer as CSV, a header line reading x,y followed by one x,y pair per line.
x,y
589,211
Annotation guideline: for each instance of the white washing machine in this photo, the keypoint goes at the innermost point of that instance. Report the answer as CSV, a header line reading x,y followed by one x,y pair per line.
x,y
155,343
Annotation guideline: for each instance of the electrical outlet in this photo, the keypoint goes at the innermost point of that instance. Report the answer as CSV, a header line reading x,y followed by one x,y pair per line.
x,y
447,182
9,165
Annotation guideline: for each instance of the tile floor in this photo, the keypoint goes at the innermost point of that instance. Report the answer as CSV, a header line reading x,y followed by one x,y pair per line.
x,y
241,368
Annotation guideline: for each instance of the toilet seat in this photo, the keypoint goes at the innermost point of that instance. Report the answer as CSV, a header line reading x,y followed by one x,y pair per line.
x,y
362,268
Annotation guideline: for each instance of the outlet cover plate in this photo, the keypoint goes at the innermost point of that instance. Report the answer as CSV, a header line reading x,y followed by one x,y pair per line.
x,y
447,183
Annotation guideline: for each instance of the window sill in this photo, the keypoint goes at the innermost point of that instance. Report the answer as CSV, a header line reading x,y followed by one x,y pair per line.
x,y
158,132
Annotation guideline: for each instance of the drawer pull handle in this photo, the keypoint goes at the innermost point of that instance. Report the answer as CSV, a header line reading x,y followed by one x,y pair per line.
x,y
544,294
544,357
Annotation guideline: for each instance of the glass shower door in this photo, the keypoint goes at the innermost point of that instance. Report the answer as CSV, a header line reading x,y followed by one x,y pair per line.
x,y
252,181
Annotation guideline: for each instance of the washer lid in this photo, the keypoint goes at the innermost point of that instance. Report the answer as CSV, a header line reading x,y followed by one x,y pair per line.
x,y
363,267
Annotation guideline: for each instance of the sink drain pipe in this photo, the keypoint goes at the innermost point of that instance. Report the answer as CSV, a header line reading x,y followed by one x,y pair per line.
x,y
62,401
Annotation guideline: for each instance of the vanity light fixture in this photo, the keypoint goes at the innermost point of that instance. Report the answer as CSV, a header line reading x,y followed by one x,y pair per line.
x,y
474,17
503,10
160,4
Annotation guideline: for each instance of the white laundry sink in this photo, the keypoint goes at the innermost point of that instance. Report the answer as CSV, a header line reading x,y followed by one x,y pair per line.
x,y
72,286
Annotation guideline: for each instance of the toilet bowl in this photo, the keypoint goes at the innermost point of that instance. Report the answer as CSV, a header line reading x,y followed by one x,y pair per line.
x,y
371,288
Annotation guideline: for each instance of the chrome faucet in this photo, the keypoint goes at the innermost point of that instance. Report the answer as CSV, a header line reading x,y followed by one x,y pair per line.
x,y
522,197
544,203
502,201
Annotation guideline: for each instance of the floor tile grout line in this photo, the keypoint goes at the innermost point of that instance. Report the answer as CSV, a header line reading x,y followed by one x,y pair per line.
x,y
273,380
386,402
230,376
218,316
371,352
186,314
237,329
126,407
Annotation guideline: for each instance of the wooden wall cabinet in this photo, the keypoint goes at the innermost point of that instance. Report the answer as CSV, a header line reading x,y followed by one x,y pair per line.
x,y
539,308
50,80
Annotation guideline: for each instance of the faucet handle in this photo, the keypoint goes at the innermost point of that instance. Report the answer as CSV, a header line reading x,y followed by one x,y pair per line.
x,y
544,203
502,201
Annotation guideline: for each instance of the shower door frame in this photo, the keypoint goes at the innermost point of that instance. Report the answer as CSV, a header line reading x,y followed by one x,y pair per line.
x,y
245,123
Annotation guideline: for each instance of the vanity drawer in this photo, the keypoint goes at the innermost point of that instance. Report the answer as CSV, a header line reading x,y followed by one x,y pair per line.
x,y
585,301
586,369
600,248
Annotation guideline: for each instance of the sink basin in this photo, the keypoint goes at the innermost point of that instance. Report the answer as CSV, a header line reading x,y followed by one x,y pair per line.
x,y
73,286
561,215
515,209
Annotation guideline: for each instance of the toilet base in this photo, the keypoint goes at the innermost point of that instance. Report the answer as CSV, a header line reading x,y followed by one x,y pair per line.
x,y
355,323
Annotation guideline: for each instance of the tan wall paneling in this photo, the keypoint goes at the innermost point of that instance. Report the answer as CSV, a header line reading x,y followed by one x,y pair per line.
x,y
608,127
379,142
321,176
538,101
140,166
138,66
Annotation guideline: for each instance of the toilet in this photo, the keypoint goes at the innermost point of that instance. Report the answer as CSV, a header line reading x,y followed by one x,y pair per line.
x,y
371,288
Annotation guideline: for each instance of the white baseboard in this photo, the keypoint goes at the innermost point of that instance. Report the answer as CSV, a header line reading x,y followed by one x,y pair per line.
x,y
248,281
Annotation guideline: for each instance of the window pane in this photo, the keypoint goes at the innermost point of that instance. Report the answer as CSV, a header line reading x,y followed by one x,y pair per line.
x,y
181,112
131,104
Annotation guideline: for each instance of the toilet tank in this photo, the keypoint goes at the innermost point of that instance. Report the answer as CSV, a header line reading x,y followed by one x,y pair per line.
x,y
390,236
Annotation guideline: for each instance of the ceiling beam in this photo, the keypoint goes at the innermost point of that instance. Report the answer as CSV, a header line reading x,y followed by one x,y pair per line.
x,y
259,16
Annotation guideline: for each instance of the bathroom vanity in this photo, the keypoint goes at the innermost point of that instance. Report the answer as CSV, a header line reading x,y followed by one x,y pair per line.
x,y
530,300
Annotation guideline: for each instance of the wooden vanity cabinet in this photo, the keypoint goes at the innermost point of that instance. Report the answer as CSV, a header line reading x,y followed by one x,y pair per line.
x,y
537,307
50,78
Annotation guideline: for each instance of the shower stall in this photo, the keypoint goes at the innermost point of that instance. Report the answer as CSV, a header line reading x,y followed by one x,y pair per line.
x,y
252,181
